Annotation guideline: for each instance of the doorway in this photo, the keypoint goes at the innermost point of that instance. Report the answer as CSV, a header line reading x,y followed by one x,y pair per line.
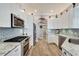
x,y
42,28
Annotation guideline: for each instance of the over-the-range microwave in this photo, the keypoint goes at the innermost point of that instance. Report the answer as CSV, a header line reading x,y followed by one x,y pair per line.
x,y
16,21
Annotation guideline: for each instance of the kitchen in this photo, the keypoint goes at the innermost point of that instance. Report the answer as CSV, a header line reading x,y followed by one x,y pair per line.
x,y
28,29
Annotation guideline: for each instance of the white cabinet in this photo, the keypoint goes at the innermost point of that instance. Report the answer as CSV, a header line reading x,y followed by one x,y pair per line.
x,y
72,17
65,52
54,23
14,8
69,19
60,22
49,23
15,52
5,16
53,39
76,17
65,19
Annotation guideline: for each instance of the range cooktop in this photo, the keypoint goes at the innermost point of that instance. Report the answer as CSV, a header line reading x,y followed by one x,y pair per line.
x,y
16,39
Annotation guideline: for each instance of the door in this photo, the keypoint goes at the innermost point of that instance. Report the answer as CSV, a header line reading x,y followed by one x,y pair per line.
x,y
34,33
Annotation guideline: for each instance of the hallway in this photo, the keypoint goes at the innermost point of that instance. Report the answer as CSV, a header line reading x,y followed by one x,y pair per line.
x,y
42,48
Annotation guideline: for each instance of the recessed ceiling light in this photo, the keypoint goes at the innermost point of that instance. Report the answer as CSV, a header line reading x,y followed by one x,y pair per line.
x,y
22,10
35,10
51,10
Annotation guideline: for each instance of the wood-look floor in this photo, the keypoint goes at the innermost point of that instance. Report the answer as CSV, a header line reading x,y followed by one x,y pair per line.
x,y
42,48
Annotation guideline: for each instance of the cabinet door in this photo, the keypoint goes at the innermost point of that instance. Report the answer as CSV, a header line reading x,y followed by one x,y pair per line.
x,y
17,11
76,17
5,15
15,52
67,20
64,20
14,8
59,23
55,23
50,21
70,18
53,39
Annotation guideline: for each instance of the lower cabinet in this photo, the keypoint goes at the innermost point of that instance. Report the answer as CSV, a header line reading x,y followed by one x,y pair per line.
x,y
15,52
53,39
65,52
61,40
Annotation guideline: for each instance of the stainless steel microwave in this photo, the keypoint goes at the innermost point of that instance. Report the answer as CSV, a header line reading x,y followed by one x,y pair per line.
x,y
16,21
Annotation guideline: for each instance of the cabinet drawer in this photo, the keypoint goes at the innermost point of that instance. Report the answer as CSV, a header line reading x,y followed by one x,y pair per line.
x,y
15,52
66,53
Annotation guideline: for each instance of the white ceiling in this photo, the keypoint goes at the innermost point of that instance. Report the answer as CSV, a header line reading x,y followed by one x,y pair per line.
x,y
44,8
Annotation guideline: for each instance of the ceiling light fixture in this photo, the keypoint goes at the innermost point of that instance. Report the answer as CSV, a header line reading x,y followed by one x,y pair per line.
x,y
32,13
51,10
49,16
22,10
35,10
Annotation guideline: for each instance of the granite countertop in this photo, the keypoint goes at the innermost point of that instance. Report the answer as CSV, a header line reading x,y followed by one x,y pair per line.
x,y
6,47
71,48
69,36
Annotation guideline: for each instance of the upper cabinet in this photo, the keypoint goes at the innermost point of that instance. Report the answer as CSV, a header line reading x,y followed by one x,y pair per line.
x,y
68,19
54,23
49,23
71,18
15,9
63,21
76,17
5,15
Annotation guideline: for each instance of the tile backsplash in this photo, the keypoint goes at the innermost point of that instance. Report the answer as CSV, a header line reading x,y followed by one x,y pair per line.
x,y
51,31
7,33
73,32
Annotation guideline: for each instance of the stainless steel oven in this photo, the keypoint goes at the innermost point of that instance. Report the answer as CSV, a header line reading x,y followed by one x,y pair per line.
x,y
16,21
25,47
